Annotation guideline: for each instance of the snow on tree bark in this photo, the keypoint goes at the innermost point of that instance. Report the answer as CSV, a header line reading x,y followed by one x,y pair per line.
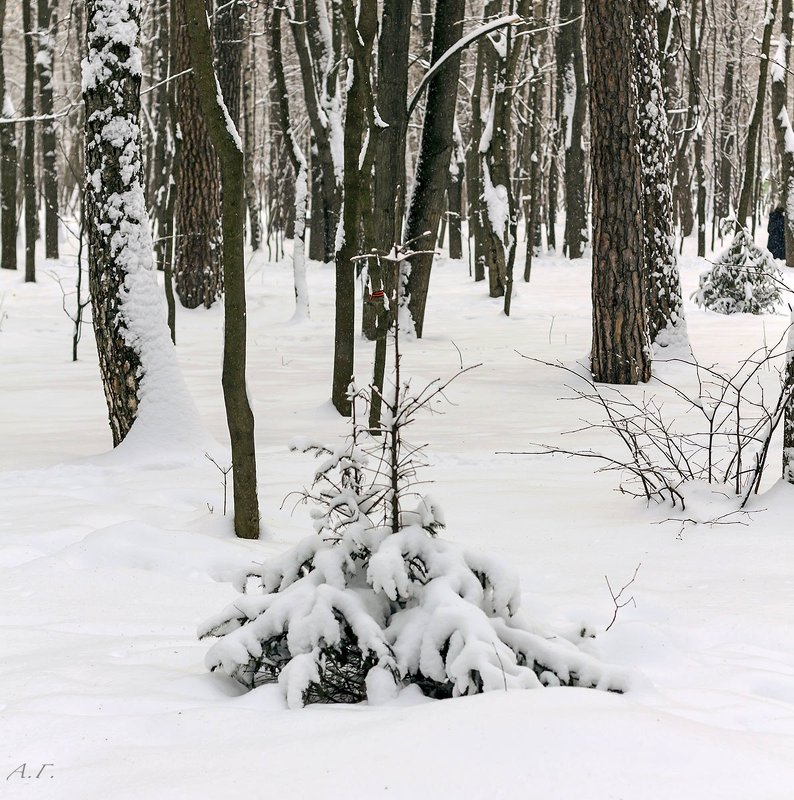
x,y
45,65
621,351
137,362
665,313
8,168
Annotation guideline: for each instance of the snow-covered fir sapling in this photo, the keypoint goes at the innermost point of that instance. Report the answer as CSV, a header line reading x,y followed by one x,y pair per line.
x,y
375,599
744,279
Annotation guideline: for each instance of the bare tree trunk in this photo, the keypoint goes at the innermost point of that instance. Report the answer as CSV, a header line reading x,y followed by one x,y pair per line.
x,y
474,187
249,142
45,67
572,111
361,26
29,147
752,147
457,171
728,114
228,146
621,352
8,167
197,269
300,168
427,199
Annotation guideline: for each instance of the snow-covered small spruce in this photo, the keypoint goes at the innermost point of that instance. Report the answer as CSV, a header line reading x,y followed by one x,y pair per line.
x,y
744,279
375,600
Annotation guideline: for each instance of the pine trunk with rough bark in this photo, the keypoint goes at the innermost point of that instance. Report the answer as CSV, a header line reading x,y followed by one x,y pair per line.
x,y
197,264
620,351
227,144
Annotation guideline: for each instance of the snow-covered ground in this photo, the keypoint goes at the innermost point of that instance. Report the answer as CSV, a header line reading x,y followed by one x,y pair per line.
x,y
109,561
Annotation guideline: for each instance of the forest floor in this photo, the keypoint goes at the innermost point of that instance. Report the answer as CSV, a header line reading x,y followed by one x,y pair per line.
x,y
110,560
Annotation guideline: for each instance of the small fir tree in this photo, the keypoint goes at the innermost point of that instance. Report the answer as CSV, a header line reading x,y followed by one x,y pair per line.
x,y
744,279
375,599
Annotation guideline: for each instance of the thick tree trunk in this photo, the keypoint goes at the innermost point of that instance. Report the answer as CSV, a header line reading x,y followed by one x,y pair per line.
x,y
754,128
427,199
8,168
620,352
663,283
228,146
29,146
197,269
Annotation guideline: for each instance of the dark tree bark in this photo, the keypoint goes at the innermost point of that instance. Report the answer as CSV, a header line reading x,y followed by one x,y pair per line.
x,y
249,143
8,168
361,25
571,113
45,68
231,30
457,172
197,270
228,146
664,283
427,199
620,352
782,122
483,68
752,146
29,146
388,202
318,60
722,202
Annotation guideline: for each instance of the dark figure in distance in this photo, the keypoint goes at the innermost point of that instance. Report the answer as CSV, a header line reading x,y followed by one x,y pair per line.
x,y
777,233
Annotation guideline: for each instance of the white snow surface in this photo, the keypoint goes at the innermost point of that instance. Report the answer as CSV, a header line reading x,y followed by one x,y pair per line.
x,y
108,564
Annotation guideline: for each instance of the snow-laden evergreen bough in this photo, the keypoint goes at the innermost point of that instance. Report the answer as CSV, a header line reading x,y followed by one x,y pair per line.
x,y
744,279
376,600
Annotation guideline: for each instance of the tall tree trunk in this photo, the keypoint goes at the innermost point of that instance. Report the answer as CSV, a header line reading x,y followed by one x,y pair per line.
x,y
316,45
389,178
228,146
754,128
359,120
620,352
249,144
473,173
197,269
29,147
782,122
45,67
727,119
136,360
665,313
571,112
457,171
8,167
427,199
299,166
